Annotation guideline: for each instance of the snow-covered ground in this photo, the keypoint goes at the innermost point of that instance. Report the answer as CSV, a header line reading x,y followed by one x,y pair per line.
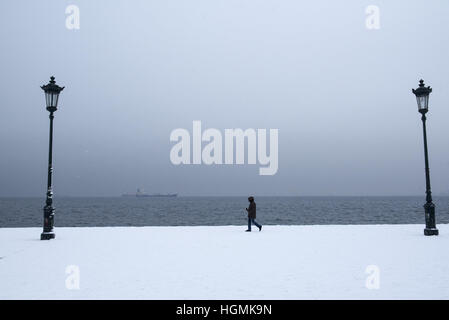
x,y
281,262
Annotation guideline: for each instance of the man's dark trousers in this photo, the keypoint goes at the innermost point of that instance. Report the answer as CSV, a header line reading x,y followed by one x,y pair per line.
x,y
252,220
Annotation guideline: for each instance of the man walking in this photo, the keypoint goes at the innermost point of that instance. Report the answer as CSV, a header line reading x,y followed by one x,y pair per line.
x,y
252,214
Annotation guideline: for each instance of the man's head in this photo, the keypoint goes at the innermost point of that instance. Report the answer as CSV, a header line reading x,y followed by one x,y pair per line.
x,y
251,199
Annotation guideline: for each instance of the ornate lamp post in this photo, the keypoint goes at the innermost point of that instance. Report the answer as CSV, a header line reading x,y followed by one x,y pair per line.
x,y
422,97
52,91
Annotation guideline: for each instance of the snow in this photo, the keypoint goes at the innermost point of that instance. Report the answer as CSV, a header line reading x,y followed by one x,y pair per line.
x,y
281,262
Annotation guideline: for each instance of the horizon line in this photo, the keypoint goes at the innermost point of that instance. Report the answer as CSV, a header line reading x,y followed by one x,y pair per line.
x,y
224,196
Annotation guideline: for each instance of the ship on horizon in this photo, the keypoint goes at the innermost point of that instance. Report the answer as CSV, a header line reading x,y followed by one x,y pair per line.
x,y
142,194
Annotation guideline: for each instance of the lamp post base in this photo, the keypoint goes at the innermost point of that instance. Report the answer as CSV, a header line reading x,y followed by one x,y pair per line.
x,y
47,235
430,231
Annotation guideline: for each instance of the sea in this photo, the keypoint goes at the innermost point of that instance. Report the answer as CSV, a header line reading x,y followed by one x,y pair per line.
x,y
217,211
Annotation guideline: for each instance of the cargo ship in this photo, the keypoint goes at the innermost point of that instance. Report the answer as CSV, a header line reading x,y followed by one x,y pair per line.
x,y
141,194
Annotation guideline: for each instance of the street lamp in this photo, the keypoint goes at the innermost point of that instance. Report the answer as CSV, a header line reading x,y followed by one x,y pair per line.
x,y
422,98
52,91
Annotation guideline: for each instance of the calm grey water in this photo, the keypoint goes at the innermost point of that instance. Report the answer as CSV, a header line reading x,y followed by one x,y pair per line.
x,y
182,211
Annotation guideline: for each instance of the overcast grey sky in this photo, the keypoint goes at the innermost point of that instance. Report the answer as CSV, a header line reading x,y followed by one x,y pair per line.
x,y
339,94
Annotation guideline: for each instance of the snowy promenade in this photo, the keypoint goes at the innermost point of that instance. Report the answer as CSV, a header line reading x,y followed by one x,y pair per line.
x,y
281,262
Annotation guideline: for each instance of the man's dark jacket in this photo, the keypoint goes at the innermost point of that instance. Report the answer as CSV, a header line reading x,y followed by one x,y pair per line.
x,y
252,210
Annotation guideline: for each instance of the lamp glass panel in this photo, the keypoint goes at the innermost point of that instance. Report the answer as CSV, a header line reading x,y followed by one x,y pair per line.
x,y
48,99
55,99
422,102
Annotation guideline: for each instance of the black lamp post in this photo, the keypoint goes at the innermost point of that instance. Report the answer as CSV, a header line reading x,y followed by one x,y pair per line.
x,y
52,91
422,97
